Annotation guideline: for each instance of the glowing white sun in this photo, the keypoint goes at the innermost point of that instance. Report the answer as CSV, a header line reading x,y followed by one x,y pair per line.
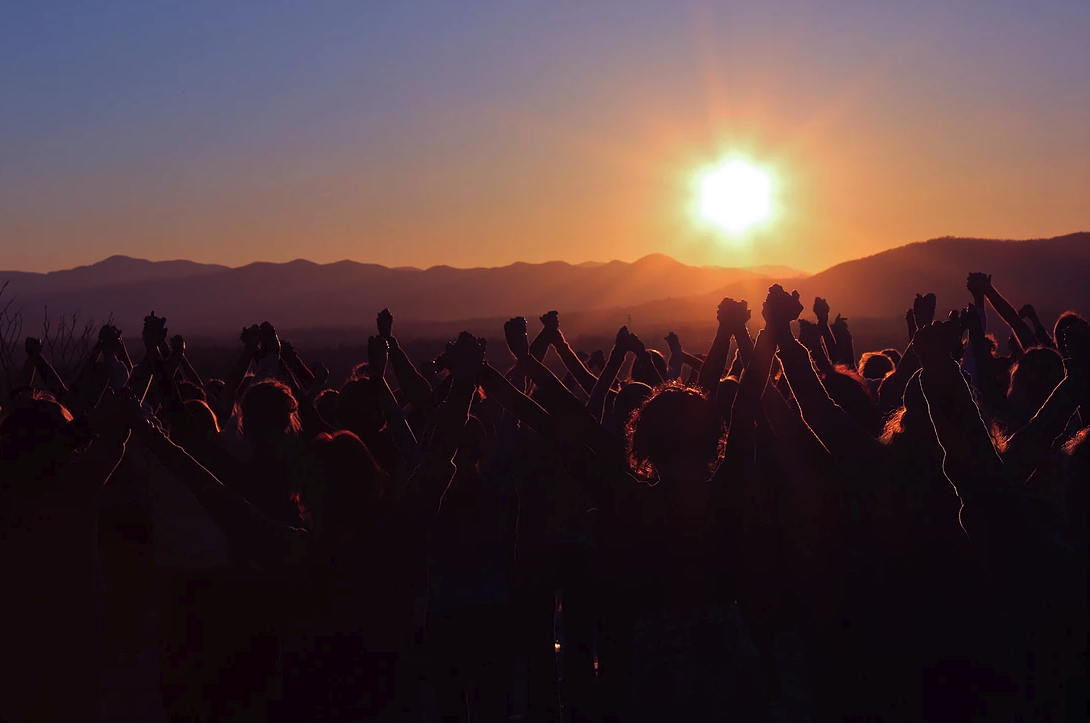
x,y
735,195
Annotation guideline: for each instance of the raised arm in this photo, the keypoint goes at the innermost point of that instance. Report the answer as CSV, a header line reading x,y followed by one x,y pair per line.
x,y
810,337
821,311
1043,337
597,403
1028,447
431,478
981,284
302,373
250,339
732,317
416,388
838,432
677,356
256,536
845,347
409,453
571,360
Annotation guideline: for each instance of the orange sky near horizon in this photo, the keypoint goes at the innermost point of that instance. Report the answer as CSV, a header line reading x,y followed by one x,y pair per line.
x,y
482,136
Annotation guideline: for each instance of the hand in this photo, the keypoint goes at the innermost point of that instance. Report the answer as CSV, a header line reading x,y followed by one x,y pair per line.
x,y
821,310
620,343
269,340
154,332
839,325
970,319
597,360
673,342
733,315
33,347
385,323
466,357
809,334
978,284
551,324
250,337
924,308
514,330
910,319
635,345
377,353
1027,312
177,345
781,308
935,342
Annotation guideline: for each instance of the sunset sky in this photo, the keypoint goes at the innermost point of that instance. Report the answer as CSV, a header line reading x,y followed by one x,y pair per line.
x,y
480,133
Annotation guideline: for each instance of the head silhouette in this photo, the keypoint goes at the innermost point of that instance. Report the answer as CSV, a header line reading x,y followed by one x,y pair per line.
x,y
346,490
875,365
1033,377
36,437
676,435
269,413
852,394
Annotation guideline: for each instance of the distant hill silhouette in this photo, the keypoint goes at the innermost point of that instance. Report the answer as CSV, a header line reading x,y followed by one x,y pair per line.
x,y
298,294
656,291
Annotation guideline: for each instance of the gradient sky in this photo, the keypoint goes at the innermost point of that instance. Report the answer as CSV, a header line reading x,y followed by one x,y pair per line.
x,y
480,133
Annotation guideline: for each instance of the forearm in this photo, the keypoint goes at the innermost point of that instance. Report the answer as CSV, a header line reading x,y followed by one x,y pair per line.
x,y
516,403
539,347
409,453
716,361
1021,329
262,537
677,361
1043,337
415,387
571,362
597,403
837,431
563,406
845,350
830,340
1030,444
970,456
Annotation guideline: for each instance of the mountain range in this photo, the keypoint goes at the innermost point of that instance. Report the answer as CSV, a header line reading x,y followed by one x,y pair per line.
x,y
215,300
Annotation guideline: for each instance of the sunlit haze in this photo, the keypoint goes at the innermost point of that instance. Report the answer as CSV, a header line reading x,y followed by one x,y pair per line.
x,y
483,133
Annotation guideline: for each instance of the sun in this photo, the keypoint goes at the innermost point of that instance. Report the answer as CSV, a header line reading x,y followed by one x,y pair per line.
x,y
735,195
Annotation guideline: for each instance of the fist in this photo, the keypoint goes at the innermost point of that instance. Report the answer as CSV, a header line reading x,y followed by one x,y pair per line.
x,y
385,323
466,357
934,343
809,334
672,341
821,310
155,330
551,320
732,314
623,341
781,308
514,330
32,346
250,336
598,360
839,325
978,284
177,345
924,308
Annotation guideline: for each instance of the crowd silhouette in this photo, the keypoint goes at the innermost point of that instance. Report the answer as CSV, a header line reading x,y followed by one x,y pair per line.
x,y
796,532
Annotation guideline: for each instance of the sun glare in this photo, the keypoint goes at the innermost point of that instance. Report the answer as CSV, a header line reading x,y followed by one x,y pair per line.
x,y
735,195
